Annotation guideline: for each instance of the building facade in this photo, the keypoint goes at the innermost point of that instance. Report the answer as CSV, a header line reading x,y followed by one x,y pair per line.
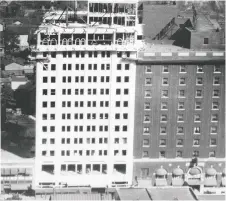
x,y
85,96
179,113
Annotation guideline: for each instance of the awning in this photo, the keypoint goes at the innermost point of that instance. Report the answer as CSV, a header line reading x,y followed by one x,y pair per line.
x,y
210,181
22,170
29,171
194,171
178,172
161,172
19,187
160,182
177,181
211,171
2,171
14,171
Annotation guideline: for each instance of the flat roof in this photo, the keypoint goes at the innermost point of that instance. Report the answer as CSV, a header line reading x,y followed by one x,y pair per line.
x,y
133,194
211,197
171,193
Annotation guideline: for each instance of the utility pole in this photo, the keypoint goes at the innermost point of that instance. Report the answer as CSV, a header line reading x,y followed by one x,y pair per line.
x,y
67,16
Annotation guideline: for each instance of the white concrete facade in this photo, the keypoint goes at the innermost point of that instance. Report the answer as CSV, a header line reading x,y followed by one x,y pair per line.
x,y
92,92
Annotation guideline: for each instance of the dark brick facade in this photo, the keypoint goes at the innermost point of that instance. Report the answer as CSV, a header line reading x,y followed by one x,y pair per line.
x,y
172,113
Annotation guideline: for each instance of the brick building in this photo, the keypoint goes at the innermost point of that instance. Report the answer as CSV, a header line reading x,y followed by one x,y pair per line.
x,y
179,111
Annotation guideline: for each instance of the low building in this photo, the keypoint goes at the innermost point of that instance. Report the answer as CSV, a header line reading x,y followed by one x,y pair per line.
x,y
18,81
14,69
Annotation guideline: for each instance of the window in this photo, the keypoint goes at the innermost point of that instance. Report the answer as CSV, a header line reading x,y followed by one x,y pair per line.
x,y
197,130
44,116
52,128
45,67
53,67
181,93
126,66
45,79
198,105
164,93
52,104
118,91
183,69
53,79
206,41
162,154
164,106
182,81
52,153
126,79
163,117
147,81
181,106
216,93
119,66
179,142
179,154
44,92
43,153
180,130
125,104
213,142
118,79
197,117
146,131
165,69
148,69
44,129
44,141
125,116
147,94
147,119
216,80
117,128
180,117
165,81
198,93
124,128
146,143
147,106
145,154
199,69
199,81
119,54
195,153
213,129
126,91
53,92
44,104
215,106
212,154
163,130
214,117
217,69
196,142
162,142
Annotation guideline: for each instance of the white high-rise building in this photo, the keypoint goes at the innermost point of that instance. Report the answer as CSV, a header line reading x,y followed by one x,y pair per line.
x,y
85,94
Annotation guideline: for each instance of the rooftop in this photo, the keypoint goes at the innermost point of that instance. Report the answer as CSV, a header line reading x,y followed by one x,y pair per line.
x,y
171,193
133,194
13,66
211,197
19,79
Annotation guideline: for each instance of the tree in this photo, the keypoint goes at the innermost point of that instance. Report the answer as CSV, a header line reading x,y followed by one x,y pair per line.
x,y
11,41
25,97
